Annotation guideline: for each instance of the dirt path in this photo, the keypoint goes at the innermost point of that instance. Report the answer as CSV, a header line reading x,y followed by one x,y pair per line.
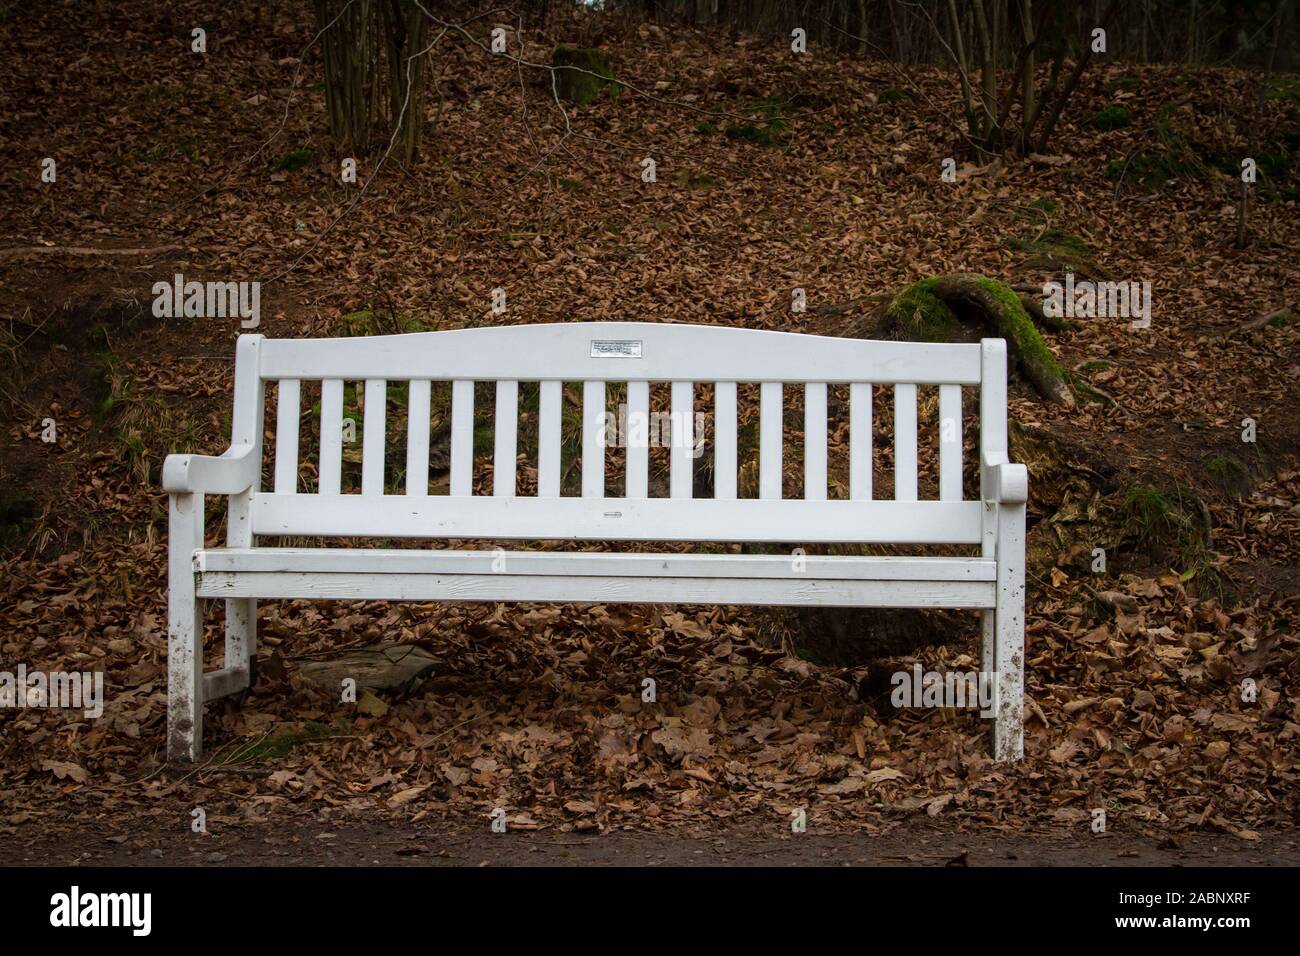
x,y
464,844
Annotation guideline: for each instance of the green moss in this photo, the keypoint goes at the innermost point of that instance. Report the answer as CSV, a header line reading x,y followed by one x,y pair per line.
x,y
923,316
1018,327
769,133
1112,118
891,96
1046,205
1284,318
582,73
707,129
1284,86
1056,251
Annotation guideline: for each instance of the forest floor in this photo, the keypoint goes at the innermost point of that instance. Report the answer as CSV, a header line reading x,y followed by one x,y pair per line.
x,y
774,172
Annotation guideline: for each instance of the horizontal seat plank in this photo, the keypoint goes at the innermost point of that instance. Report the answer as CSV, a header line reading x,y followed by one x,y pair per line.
x,y
619,519
596,589
591,564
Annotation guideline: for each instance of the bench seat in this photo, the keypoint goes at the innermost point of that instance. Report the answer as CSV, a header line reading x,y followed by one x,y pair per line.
x,y
587,577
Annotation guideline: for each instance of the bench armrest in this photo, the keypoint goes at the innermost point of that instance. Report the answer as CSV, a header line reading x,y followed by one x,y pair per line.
x,y
226,474
1007,483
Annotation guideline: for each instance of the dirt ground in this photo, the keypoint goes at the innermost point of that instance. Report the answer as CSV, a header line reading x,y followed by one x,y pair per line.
x,y
462,843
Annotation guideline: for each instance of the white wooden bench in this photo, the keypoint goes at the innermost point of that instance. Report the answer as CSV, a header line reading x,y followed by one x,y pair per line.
x,y
596,354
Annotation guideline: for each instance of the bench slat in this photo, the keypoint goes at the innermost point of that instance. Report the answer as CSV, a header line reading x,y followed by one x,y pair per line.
x,y
462,438
331,436
638,440
814,441
950,443
288,406
549,401
506,437
860,439
417,439
681,469
460,561
593,439
724,440
372,449
904,442
770,440
600,590
620,519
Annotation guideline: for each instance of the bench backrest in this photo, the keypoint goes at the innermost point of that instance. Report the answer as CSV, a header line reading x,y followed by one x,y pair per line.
x,y
597,354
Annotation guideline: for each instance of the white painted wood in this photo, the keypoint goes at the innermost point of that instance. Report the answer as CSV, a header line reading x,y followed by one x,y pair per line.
x,y
667,353
993,410
593,439
462,438
549,438
506,436
904,442
609,564
331,436
681,456
247,423
417,437
638,440
1008,725
771,436
950,443
372,446
232,473
288,406
600,590
724,440
814,441
596,353
860,441
621,519
184,629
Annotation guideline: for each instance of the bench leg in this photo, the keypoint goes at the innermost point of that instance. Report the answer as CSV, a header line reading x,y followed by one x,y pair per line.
x,y
184,630
1008,645
241,640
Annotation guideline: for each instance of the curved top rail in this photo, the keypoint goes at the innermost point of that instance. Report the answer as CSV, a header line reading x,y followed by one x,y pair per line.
x,y
621,352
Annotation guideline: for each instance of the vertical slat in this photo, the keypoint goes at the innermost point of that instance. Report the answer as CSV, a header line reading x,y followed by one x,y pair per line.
x,y
247,424
638,439
593,439
814,441
860,439
682,472
506,432
993,407
372,449
548,439
904,442
770,438
950,443
331,435
417,439
462,438
287,411
724,440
